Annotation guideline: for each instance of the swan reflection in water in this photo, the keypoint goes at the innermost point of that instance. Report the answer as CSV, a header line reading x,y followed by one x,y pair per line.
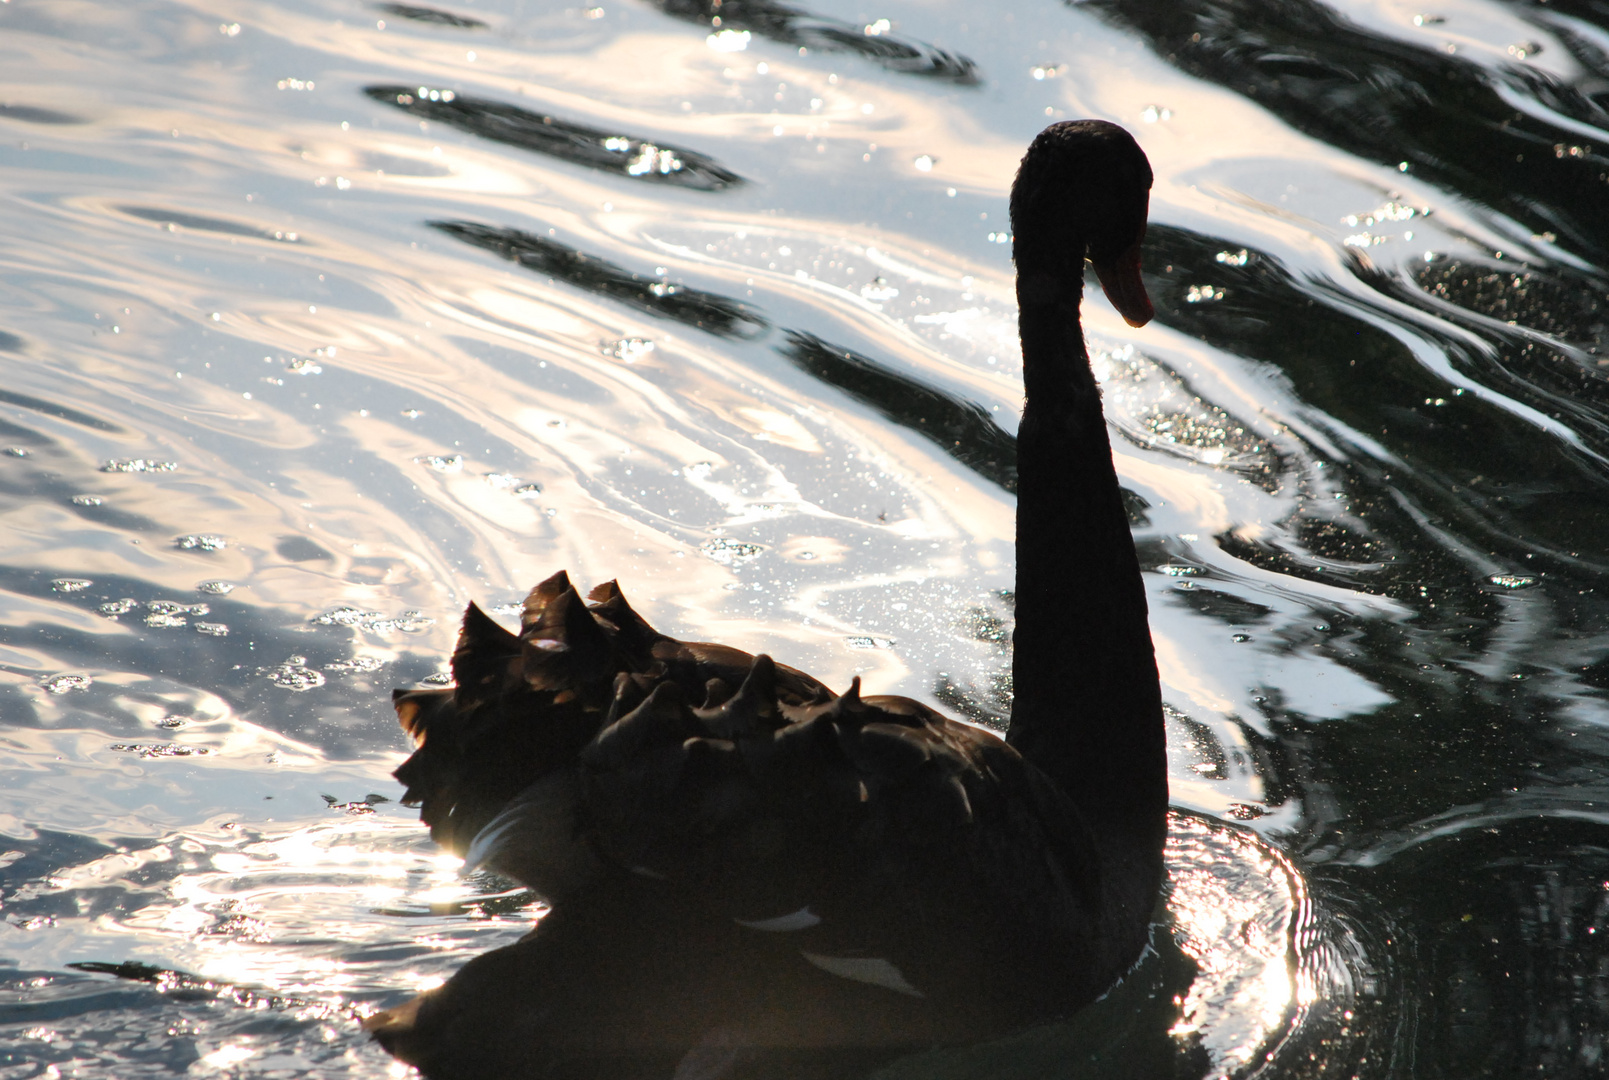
x,y
752,875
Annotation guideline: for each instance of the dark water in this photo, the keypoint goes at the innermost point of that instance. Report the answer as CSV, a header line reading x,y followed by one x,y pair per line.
x,y
314,329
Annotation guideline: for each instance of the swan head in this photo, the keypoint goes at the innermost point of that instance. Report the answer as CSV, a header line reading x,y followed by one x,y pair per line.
x,y
1082,192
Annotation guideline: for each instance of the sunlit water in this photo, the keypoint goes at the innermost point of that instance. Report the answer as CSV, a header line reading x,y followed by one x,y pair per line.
x,y
320,320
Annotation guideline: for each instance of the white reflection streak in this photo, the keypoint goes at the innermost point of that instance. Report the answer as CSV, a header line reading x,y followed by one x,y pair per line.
x,y
1242,912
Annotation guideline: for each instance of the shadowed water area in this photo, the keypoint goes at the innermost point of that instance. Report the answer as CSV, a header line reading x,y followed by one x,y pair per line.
x,y
320,319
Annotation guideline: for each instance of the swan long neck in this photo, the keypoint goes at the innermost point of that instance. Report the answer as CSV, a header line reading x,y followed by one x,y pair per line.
x,y
1087,709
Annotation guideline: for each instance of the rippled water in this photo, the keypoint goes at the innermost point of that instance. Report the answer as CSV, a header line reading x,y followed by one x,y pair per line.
x,y
322,318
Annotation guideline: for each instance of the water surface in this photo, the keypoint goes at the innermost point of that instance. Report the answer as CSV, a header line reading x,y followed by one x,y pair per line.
x,y
321,319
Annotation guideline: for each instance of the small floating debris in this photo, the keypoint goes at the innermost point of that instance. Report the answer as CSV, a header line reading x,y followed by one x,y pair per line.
x,y
1511,581
71,584
442,463
138,465
18,451
200,542
431,15
356,808
301,366
66,684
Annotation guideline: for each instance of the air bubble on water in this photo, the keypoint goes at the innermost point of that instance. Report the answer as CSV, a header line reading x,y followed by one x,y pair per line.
x,y
442,462
18,451
293,674
162,620
160,750
1201,294
878,291
413,414
200,542
87,500
114,608
216,588
440,678
301,366
413,622
66,684
629,349
727,41
345,616
71,584
138,465
212,629
172,722
173,607
528,491
729,552
503,481
1233,258
358,665
861,641
409,622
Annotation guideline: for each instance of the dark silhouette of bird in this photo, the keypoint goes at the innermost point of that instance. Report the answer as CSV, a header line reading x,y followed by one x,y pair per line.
x,y
752,875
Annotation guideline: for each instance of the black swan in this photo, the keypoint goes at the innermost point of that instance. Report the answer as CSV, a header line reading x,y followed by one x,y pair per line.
x,y
752,875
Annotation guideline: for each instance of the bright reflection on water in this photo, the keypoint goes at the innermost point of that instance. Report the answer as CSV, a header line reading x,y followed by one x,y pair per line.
x,y
323,318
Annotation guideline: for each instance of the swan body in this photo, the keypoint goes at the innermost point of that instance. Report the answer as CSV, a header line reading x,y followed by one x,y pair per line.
x,y
752,875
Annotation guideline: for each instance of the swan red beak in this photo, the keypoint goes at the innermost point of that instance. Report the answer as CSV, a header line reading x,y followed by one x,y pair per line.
x,y
1120,279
